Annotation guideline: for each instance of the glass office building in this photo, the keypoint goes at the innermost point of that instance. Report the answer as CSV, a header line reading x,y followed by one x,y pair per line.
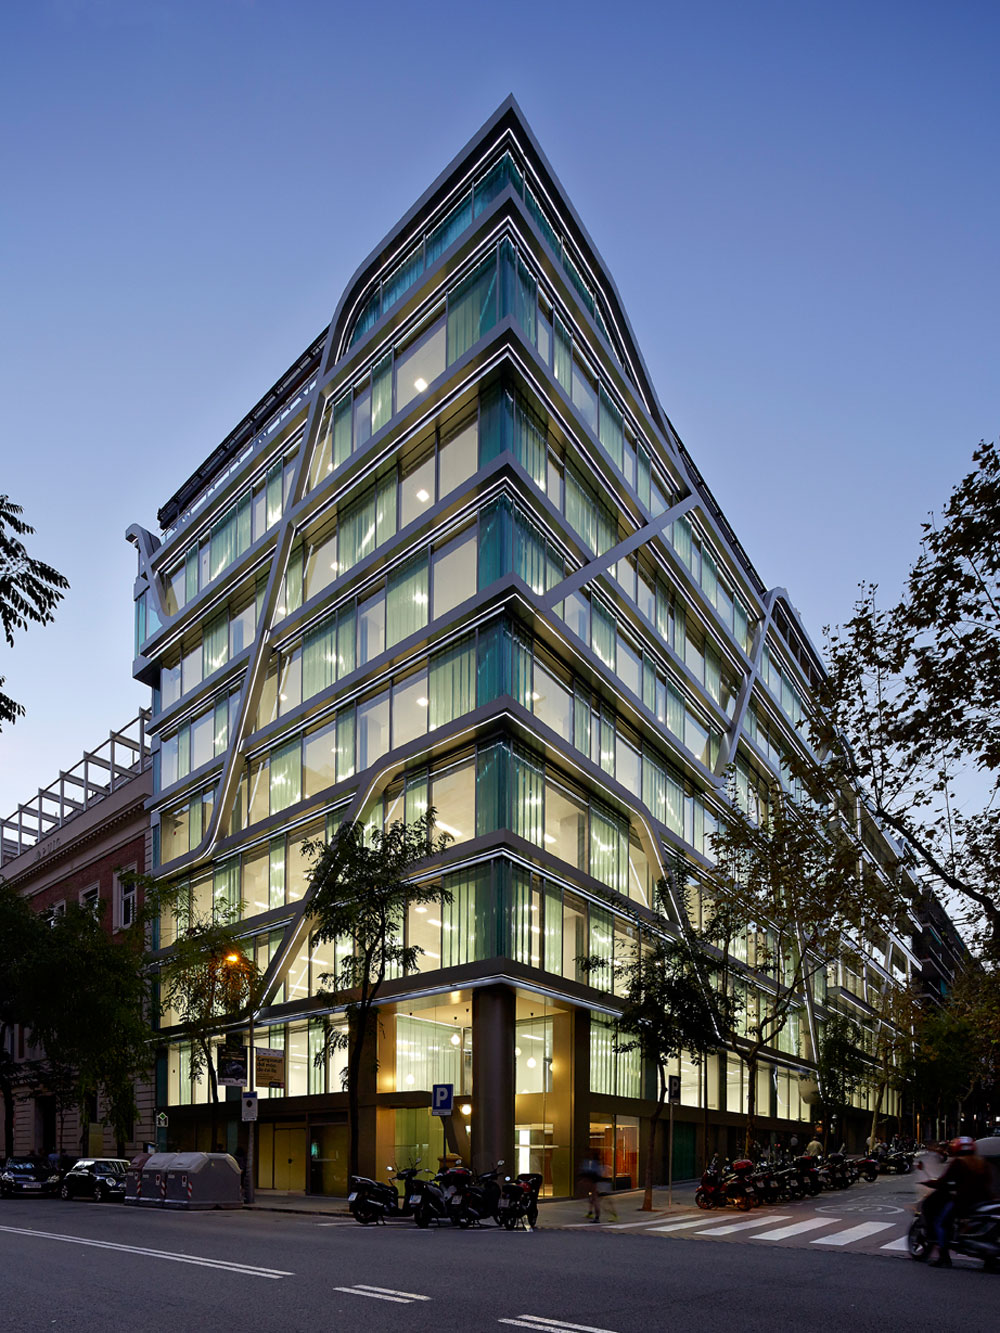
x,y
458,556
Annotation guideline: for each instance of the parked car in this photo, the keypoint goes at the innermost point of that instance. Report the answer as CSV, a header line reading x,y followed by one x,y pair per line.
x,y
97,1178
28,1175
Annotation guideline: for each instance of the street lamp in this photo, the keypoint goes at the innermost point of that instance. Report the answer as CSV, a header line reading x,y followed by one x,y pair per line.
x,y
233,960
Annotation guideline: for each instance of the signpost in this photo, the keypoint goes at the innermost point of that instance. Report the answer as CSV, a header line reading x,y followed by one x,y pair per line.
x,y
161,1132
442,1104
673,1096
249,1100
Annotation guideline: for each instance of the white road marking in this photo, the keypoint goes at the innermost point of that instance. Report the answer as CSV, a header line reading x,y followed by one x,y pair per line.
x,y
374,1295
538,1323
224,1264
797,1228
390,1291
860,1232
899,1246
744,1226
676,1226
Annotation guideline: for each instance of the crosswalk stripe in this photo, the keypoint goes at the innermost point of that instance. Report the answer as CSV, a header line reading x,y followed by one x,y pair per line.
x,y
797,1228
744,1226
676,1226
860,1232
900,1246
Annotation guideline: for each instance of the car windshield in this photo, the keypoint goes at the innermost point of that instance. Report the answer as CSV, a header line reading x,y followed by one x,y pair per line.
x,y
13,1165
111,1167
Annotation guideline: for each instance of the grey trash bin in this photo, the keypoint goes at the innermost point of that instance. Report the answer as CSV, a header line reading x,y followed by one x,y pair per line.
x,y
203,1180
153,1179
133,1177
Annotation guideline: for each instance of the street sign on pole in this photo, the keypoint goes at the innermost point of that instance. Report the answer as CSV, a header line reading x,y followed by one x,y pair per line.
x,y
442,1098
673,1096
249,1100
161,1120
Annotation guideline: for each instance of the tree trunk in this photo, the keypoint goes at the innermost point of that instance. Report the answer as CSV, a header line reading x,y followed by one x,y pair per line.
x,y
877,1111
654,1124
353,1099
751,1067
213,1086
7,1092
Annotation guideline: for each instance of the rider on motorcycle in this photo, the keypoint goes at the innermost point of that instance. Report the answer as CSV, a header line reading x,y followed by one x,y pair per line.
x,y
972,1179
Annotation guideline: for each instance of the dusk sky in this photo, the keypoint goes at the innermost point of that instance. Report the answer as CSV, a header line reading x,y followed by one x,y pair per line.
x,y
798,201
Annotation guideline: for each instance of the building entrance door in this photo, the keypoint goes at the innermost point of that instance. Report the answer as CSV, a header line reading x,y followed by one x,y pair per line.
x,y
289,1159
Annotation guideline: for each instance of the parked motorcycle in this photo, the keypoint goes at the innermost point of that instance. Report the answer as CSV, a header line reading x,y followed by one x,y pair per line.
x,y
977,1236
375,1200
470,1199
519,1201
711,1192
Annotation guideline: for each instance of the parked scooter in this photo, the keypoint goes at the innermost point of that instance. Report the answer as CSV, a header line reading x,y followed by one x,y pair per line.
x,y
470,1199
711,1192
977,1236
519,1201
375,1200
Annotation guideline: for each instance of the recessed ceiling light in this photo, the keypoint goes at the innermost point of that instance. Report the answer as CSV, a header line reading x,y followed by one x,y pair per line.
x,y
420,384
423,701
423,496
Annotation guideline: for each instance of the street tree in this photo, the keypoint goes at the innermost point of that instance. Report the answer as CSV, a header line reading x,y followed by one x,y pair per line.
x,y
20,938
211,984
89,1000
841,1068
788,894
664,1008
912,700
30,590
361,885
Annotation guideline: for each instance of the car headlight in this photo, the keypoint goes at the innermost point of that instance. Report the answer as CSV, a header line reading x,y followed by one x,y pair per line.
x,y
7,1177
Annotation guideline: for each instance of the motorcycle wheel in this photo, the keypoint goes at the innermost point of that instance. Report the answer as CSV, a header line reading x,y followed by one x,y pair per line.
x,y
744,1203
918,1240
904,1170
364,1213
814,1187
422,1217
509,1222
702,1199
871,1176
532,1216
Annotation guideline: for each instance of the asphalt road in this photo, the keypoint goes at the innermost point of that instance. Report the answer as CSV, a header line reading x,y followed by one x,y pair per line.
x,y
104,1267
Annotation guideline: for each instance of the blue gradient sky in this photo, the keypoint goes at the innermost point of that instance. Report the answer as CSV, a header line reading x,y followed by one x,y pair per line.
x,y
798,202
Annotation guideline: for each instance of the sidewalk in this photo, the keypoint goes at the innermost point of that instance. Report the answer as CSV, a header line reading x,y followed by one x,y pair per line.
x,y
551,1212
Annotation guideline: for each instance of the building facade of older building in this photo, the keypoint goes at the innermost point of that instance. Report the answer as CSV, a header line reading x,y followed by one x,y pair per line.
x,y
458,556
72,843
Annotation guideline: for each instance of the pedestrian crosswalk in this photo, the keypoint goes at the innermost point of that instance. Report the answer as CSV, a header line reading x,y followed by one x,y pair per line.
x,y
887,1235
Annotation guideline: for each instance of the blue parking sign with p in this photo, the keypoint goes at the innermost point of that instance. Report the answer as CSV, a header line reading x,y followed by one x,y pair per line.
x,y
442,1098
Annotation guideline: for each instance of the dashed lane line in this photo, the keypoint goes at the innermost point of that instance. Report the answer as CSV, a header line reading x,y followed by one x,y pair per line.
x,y
552,1325
225,1265
383,1293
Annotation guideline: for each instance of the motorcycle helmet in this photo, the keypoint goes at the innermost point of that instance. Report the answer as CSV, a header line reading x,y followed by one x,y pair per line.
x,y
963,1144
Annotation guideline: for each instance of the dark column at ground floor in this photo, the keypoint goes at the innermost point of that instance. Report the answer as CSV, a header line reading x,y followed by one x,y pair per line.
x,y
493,1010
